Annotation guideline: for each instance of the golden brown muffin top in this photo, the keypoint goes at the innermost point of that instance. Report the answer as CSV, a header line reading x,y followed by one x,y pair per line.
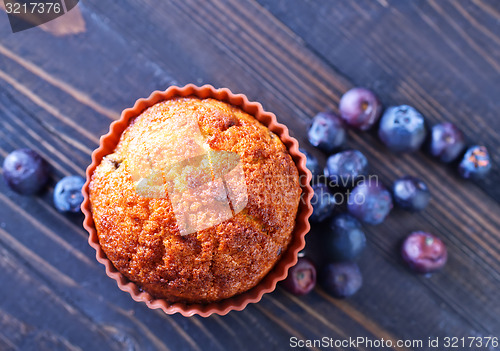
x,y
197,202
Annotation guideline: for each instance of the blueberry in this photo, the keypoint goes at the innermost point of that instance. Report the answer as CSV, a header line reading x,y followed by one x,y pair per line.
x,y
411,193
68,194
424,252
312,163
360,108
476,163
447,142
402,129
346,240
370,202
301,278
327,132
345,168
25,171
341,279
323,203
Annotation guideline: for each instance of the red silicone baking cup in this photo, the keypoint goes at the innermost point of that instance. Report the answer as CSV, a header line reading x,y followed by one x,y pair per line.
x,y
279,272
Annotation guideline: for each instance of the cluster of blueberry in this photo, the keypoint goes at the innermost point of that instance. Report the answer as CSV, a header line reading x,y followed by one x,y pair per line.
x,y
401,129
27,173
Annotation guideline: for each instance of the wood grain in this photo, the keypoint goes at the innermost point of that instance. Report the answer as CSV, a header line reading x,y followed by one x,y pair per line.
x,y
431,54
59,94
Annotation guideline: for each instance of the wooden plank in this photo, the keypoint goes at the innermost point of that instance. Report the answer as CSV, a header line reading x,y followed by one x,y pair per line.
x,y
217,28
32,126
59,97
27,330
106,318
440,56
18,128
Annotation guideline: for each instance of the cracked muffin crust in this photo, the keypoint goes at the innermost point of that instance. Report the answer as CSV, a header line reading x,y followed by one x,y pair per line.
x,y
141,234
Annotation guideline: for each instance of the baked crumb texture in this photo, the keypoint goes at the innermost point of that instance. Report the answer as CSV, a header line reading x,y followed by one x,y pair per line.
x,y
141,231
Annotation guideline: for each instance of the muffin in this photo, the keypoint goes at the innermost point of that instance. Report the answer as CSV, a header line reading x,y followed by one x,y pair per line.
x,y
197,202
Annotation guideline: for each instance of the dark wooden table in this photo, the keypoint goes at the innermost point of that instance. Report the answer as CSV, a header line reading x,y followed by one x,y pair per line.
x,y
63,83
